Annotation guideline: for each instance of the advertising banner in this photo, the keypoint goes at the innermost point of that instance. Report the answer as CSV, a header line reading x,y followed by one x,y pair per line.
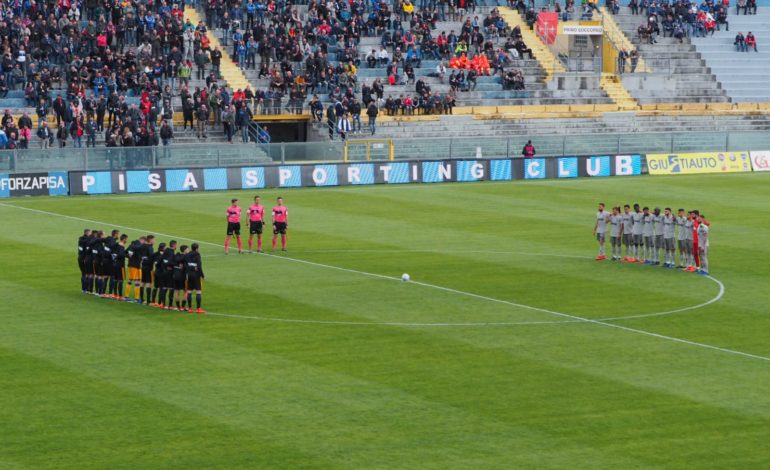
x,y
616,165
696,163
54,183
760,161
333,174
582,30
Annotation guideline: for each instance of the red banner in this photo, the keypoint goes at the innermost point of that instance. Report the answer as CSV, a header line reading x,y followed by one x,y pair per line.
x,y
547,25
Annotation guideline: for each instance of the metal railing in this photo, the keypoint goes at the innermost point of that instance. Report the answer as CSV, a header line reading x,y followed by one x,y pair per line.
x,y
259,135
584,144
224,155
123,158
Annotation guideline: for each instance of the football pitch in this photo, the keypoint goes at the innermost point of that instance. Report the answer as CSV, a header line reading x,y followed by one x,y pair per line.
x,y
511,347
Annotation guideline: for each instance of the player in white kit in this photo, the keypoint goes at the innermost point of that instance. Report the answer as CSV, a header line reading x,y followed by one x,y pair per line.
x,y
627,231
669,226
657,235
616,221
600,230
647,223
637,217
681,238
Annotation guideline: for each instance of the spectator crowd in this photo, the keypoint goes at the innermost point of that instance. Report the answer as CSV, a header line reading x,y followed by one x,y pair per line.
x,y
116,71
314,57
111,71
680,19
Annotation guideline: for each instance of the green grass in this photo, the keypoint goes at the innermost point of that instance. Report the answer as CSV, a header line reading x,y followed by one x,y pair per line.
x,y
90,383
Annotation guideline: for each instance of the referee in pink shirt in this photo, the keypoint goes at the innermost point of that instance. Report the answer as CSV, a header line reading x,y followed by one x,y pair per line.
x,y
233,225
280,223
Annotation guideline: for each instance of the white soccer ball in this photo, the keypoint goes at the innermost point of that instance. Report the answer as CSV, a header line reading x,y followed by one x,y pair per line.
x,y
405,277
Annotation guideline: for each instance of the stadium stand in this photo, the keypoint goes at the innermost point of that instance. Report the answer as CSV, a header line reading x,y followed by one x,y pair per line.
x,y
323,49
597,125
743,75
75,50
678,72
488,91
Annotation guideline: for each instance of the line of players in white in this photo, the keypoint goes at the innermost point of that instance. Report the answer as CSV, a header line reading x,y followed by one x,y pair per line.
x,y
646,234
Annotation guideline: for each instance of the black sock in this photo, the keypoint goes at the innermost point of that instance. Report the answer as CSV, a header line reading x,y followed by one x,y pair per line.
x,y
189,299
162,299
120,290
82,283
148,295
154,294
98,285
141,294
178,304
198,300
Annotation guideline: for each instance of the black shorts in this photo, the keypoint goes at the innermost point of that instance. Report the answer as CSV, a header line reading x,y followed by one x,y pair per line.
x,y
147,276
88,265
233,228
96,268
117,272
168,280
158,279
255,227
193,283
179,284
107,267
82,265
279,227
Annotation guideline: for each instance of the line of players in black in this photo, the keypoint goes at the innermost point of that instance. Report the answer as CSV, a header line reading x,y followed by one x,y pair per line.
x,y
165,278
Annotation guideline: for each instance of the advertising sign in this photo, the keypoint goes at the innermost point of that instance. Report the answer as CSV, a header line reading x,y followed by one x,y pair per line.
x,y
760,161
696,163
54,183
580,30
331,174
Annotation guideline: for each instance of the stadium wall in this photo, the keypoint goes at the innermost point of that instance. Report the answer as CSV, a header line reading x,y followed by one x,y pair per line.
x,y
59,183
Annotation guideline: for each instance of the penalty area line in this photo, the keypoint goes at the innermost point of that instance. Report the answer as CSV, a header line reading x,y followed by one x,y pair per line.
x,y
574,318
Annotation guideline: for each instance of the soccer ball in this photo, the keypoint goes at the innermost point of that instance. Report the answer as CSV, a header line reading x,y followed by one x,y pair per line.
x,y
405,277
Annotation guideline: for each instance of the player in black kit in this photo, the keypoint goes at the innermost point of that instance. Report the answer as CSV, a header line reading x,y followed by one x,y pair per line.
x,y
145,291
118,268
194,270
178,279
108,245
82,245
166,273
157,278
95,248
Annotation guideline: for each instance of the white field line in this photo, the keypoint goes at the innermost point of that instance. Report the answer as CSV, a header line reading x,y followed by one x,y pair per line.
x,y
714,299
573,318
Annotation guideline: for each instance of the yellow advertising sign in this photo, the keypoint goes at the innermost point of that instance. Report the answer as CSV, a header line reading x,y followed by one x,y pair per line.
x,y
694,163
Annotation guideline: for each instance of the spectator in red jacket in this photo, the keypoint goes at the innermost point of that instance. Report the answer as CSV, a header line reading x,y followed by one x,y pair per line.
x,y
751,41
